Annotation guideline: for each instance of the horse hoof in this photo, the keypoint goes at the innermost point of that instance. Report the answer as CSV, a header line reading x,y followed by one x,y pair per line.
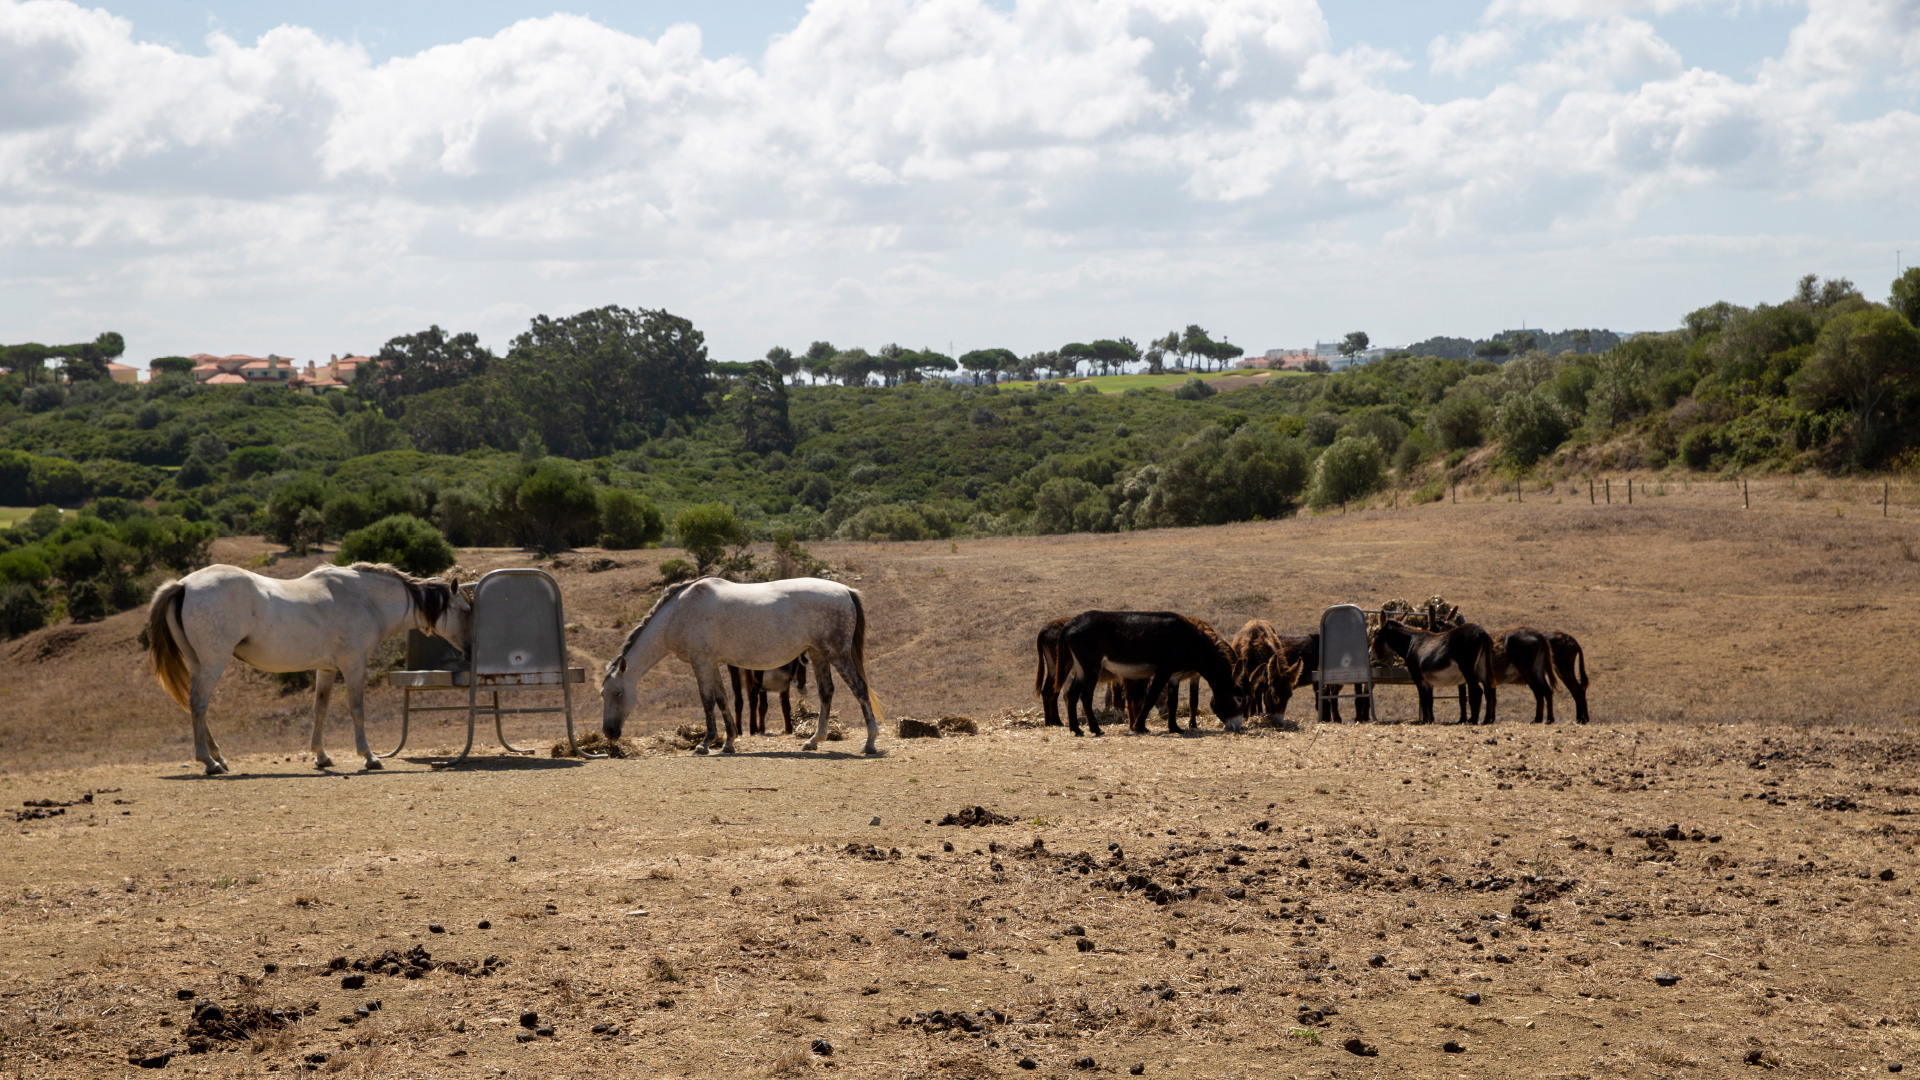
x,y
810,744
214,768
374,763
701,749
870,751
728,749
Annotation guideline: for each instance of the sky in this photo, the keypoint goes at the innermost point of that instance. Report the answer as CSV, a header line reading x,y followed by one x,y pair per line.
x,y
309,179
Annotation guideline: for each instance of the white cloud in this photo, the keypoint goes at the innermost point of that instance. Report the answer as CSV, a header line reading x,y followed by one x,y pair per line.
x,y
905,156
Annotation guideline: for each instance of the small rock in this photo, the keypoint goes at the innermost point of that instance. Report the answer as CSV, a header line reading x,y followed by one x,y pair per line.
x,y
1452,1047
1894,1066
184,994
874,822
317,1058
956,954
362,1011
1502,958
1753,1057
823,1047
157,1061
529,1019
435,928
545,1031
352,982
1473,998
1084,945
1029,1063
1376,960
1362,1049
513,858
1671,832
486,924
1085,1063
1076,930
1886,875
270,968
374,1005
523,1036
1137,1068
1667,979
602,1028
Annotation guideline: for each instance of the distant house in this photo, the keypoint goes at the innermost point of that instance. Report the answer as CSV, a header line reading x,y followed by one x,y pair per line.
x,y
226,378
123,373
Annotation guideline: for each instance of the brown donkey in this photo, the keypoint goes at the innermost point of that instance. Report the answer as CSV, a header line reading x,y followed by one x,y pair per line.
x,y
1570,663
1151,645
1461,655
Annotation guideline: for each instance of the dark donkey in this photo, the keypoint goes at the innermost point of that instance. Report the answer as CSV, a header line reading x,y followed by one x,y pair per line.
x,y
1459,655
1521,658
1152,645
1570,663
1052,667
780,680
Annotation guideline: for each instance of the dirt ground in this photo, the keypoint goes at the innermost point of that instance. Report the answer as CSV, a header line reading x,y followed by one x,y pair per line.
x,y
1210,906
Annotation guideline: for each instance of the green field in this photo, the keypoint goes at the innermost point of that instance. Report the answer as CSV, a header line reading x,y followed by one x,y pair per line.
x,y
10,515
1114,384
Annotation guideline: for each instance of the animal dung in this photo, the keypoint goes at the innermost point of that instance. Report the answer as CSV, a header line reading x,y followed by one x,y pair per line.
x,y
435,928
1359,1048
1452,1047
971,816
352,982
956,954
823,1047
917,729
1665,978
529,1019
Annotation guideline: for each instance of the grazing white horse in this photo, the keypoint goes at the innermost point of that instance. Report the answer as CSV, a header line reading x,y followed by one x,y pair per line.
x,y
713,622
330,620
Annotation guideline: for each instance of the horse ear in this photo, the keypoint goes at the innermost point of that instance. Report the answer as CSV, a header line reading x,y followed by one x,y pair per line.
x,y
620,665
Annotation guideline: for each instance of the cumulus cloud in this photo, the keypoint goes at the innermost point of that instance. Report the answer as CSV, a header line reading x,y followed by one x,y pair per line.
x,y
867,156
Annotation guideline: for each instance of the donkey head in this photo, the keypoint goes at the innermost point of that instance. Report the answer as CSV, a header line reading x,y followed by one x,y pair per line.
x,y
616,692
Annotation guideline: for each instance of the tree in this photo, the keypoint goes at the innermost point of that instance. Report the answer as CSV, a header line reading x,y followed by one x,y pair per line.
x,y
368,432
628,520
925,360
549,505
758,402
1355,344
1351,468
1905,295
89,360
706,530
606,379
1459,422
1195,342
818,360
1493,350
413,364
170,365
985,364
1077,353
1530,425
402,540
1864,361
853,366
1523,341
783,361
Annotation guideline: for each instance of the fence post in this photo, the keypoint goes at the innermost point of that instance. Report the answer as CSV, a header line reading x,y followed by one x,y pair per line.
x,y
1456,491
1886,492
1744,504
1629,491
1590,501
1609,483
1516,490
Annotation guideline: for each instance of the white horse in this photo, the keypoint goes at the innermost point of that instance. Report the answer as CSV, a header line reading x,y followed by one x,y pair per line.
x,y
713,622
330,620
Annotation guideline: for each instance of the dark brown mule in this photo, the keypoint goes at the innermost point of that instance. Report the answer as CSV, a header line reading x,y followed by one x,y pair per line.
x,y
1570,663
1155,646
1521,658
1304,650
1050,672
1460,655
1266,672
781,680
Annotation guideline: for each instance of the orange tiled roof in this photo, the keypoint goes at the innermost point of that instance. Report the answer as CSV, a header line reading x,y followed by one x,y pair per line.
x,y
226,379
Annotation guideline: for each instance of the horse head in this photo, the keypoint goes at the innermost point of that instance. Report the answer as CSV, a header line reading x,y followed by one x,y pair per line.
x,y
615,697
447,612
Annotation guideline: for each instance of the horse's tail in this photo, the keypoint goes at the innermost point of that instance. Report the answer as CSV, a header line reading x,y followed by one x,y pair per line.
x,y
860,653
166,647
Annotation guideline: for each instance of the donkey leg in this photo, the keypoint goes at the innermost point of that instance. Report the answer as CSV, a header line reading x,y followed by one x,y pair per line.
x,y
322,694
1426,703
825,671
199,698
356,679
1491,694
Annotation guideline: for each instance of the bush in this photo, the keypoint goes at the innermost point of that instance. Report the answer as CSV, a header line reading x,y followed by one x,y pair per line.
x,y
550,505
1349,469
1531,425
1459,422
1700,447
628,520
706,530
465,517
889,521
403,540
1067,504
347,512
1381,428
1322,429
674,571
22,610
24,566
1194,390
88,601
252,461
303,492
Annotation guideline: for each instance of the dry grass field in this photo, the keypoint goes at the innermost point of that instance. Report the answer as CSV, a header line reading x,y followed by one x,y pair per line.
x,y
1338,900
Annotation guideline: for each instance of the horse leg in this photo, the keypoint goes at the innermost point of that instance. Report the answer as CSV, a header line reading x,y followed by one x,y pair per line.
x,y
825,671
786,709
356,677
199,698
864,695
713,696
322,693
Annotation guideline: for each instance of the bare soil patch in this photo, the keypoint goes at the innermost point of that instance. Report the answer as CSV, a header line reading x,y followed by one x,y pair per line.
x,y
1739,818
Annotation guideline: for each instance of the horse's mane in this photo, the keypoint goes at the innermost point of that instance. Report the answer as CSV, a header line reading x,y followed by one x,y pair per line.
x,y
432,597
669,593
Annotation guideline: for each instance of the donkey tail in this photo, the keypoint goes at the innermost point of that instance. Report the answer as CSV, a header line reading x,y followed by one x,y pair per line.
x,y
166,650
860,653
1042,672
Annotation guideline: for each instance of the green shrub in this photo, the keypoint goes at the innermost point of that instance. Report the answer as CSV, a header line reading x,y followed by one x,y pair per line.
x,y
88,601
348,512
706,530
403,540
887,521
628,520
1700,447
1531,425
466,517
24,566
1321,429
22,610
1459,422
674,571
1349,469
1067,504
1192,390
1381,428
304,491
550,505
252,461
